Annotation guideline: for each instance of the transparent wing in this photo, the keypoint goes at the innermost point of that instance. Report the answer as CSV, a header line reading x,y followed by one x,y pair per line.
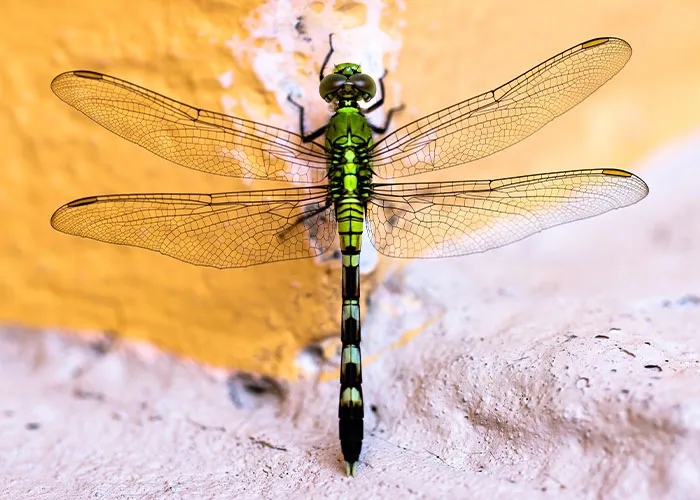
x,y
445,219
218,230
490,122
192,137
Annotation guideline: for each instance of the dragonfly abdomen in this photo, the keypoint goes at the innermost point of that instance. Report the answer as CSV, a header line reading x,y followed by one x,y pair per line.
x,y
351,409
350,216
348,140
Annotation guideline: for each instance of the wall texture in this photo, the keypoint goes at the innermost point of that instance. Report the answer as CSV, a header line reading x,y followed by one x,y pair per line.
x,y
243,58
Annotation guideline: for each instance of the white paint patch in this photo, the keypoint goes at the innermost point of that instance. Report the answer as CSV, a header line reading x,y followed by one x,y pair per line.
x,y
307,363
369,257
226,79
288,42
228,103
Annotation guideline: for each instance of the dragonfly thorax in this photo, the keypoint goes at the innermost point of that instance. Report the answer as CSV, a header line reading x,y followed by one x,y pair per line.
x,y
347,85
348,142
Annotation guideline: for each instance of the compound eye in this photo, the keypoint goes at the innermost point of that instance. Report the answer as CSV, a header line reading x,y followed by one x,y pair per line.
x,y
365,84
330,84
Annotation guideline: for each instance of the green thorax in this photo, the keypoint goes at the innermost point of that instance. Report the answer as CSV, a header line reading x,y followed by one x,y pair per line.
x,y
348,140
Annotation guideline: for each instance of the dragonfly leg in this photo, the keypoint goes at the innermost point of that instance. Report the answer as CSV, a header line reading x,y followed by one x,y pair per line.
x,y
380,102
385,127
313,135
328,57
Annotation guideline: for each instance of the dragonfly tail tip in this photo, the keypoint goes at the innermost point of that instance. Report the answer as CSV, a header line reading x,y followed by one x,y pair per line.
x,y
351,469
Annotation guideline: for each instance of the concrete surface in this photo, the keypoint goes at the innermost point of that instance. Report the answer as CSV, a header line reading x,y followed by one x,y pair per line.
x,y
563,366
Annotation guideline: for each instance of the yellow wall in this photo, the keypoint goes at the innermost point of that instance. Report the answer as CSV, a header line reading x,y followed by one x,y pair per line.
x,y
258,318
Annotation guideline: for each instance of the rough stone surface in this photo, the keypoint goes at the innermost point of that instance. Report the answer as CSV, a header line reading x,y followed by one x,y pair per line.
x,y
563,366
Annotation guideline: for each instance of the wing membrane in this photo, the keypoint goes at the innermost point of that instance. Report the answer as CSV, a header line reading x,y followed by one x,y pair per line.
x,y
192,137
446,219
497,119
218,230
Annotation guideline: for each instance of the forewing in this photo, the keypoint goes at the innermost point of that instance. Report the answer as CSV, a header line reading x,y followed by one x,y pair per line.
x,y
217,230
492,121
446,219
194,138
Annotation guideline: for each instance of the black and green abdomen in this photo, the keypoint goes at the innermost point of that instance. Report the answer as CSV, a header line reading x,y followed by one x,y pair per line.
x,y
348,140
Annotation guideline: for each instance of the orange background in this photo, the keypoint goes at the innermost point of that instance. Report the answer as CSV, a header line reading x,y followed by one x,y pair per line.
x,y
258,318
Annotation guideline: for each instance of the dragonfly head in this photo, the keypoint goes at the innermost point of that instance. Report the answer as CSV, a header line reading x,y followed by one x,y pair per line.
x,y
347,83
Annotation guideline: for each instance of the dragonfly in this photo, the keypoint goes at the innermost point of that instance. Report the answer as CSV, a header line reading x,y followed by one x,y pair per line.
x,y
334,193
